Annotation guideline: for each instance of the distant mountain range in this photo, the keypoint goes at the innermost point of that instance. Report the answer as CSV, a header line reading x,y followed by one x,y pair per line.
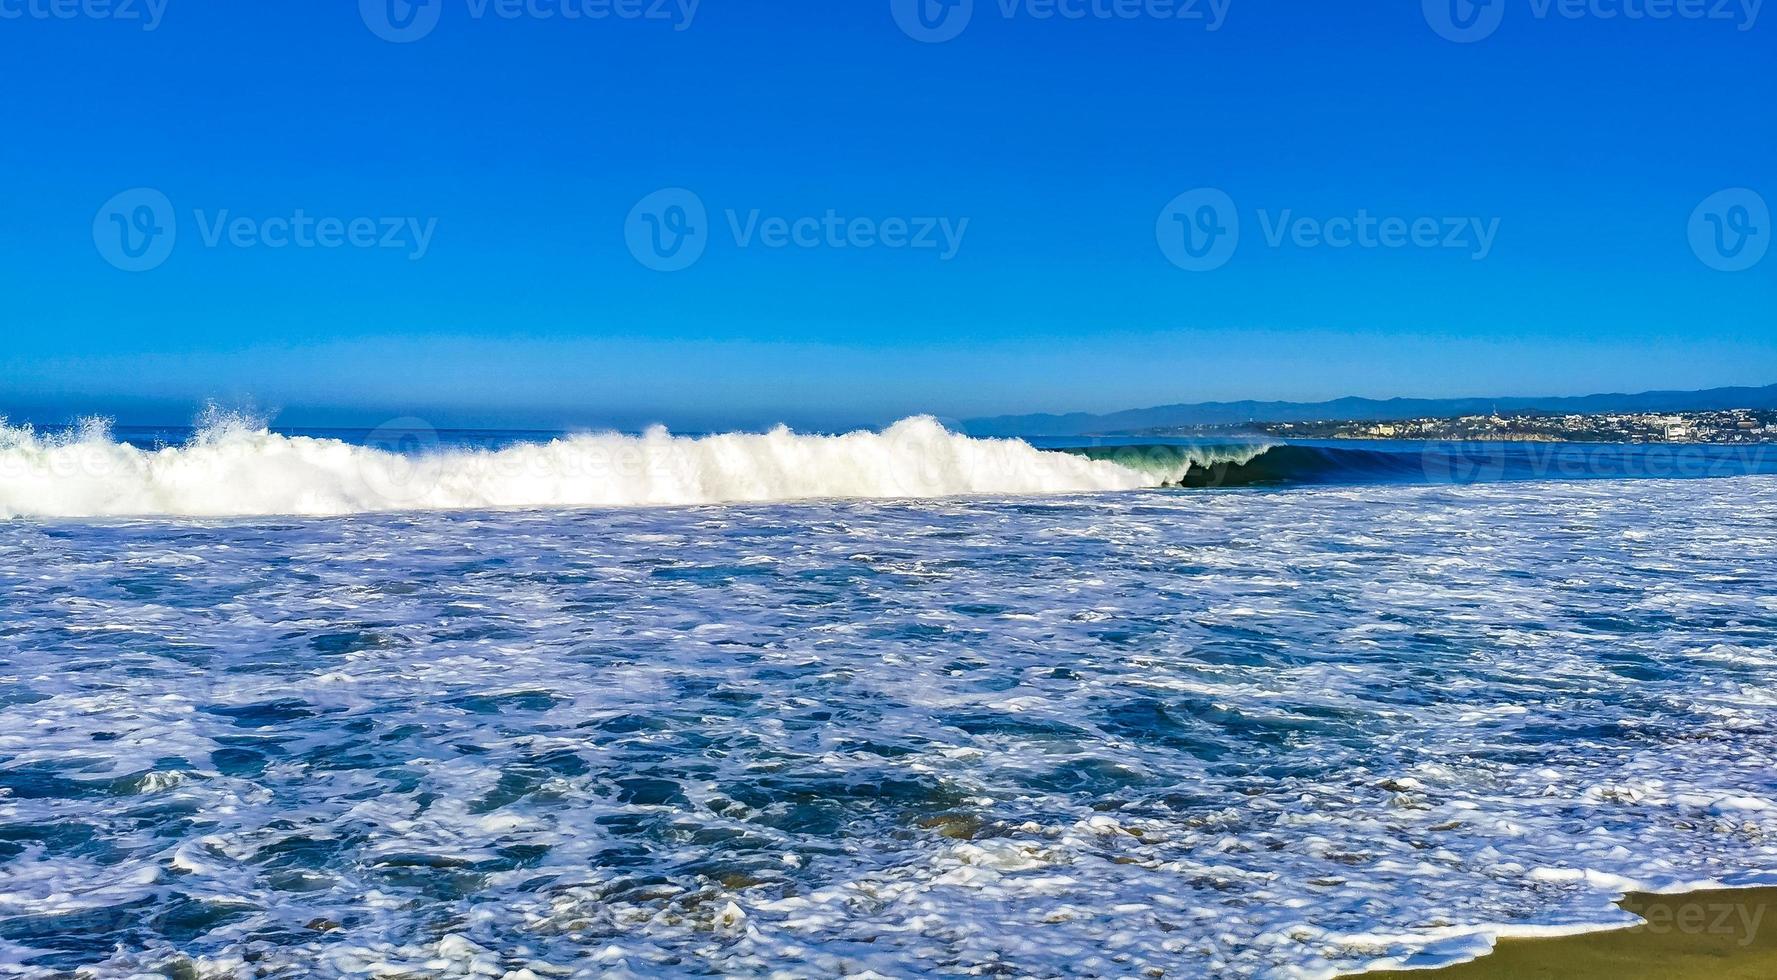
x,y
1364,410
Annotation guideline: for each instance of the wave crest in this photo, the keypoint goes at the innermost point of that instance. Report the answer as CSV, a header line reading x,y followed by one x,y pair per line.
x,y
235,467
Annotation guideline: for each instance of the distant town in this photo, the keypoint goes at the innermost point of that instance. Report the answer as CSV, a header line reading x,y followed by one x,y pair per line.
x,y
1730,426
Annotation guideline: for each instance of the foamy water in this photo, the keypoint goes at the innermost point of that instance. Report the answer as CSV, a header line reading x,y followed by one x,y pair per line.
x,y
1243,734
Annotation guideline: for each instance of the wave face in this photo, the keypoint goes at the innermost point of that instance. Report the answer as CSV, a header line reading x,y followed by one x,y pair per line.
x,y
1309,464
232,467
1179,465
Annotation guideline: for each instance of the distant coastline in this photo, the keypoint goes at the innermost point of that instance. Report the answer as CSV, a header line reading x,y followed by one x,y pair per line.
x,y
1250,414
1731,427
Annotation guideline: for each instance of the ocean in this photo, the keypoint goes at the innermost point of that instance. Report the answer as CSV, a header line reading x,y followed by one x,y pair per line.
x,y
409,703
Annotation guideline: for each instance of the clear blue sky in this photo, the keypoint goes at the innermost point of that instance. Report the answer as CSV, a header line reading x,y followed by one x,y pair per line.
x,y
525,142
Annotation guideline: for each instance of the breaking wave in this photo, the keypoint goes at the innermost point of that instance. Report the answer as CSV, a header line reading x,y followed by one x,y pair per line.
x,y
235,467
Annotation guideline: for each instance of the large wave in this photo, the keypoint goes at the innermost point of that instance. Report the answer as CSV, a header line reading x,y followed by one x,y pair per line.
x,y
233,467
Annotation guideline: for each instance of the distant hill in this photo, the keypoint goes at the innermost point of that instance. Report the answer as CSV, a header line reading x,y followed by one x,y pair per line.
x,y
1363,409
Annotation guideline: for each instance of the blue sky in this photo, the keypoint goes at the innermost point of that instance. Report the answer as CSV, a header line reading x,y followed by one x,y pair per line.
x,y
1050,147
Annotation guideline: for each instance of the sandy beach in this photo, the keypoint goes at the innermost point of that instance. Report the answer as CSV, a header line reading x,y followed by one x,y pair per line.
x,y
1715,935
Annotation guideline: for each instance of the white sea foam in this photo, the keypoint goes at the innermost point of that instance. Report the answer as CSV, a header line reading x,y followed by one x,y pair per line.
x,y
234,467
1227,735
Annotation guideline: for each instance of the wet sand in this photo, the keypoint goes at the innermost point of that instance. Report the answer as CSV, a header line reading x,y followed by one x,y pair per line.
x,y
1718,935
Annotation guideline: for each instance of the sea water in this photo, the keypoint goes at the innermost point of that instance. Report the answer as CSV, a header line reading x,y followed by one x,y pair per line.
x,y
1112,731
